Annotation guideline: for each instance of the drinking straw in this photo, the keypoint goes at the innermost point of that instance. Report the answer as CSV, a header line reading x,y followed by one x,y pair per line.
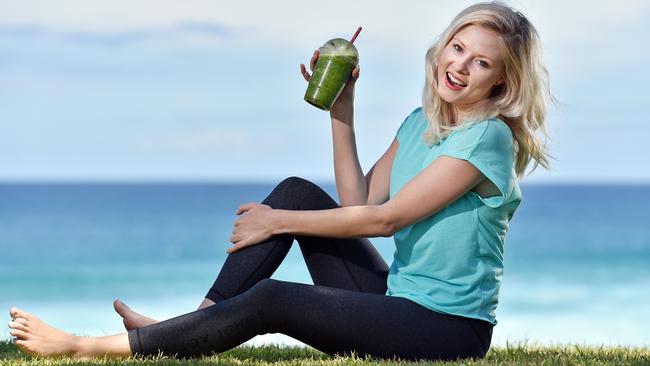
x,y
355,35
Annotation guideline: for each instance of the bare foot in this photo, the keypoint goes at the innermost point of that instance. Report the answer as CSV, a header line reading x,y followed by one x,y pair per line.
x,y
34,337
130,318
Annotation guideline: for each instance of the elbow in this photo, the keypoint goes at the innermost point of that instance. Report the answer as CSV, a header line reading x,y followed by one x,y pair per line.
x,y
389,232
387,224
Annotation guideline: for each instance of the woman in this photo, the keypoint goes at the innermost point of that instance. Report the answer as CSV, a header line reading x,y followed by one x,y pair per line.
x,y
446,188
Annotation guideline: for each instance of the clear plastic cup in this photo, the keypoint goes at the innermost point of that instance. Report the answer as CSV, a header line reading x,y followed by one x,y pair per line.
x,y
336,60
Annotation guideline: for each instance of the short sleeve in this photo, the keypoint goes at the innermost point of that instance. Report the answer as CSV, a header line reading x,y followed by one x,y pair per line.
x,y
487,145
408,126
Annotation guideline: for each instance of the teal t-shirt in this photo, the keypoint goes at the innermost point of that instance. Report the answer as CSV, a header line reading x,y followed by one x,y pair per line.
x,y
452,261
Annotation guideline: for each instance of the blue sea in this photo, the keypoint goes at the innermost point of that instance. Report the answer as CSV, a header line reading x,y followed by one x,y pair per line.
x,y
577,257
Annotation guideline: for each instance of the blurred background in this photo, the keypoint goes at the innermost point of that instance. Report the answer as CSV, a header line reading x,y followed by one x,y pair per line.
x,y
131,131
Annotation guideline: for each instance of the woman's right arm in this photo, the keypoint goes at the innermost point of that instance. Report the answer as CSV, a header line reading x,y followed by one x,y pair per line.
x,y
351,184
353,188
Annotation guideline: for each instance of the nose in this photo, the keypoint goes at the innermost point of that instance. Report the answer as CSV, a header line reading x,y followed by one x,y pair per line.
x,y
461,65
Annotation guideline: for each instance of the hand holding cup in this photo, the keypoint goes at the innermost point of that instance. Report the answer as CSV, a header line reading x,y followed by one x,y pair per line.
x,y
335,71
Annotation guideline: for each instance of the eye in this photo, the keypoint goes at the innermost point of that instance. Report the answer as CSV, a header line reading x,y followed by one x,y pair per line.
x,y
457,47
482,63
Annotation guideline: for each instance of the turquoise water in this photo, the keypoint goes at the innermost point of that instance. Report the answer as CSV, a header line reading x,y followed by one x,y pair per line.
x,y
576,257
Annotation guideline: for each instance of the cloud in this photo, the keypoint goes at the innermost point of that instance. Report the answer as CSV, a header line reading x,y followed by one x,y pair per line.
x,y
183,30
68,59
412,22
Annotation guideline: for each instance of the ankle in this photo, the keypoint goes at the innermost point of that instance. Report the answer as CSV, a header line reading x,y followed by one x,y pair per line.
x,y
83,347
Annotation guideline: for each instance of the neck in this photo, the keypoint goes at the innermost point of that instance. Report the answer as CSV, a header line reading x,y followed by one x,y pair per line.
x,y
465,113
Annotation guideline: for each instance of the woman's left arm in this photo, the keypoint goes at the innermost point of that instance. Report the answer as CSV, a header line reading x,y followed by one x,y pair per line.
x,y
345,222
259,222
442,182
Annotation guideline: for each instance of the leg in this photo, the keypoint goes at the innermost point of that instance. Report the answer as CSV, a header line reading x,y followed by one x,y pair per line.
x,y
335,321
347,263
35,337
336,262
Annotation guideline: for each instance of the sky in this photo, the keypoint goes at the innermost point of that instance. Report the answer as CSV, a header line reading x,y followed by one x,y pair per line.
x,y
211,90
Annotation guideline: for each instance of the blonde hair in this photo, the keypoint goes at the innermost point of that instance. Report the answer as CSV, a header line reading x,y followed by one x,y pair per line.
x,y
521,101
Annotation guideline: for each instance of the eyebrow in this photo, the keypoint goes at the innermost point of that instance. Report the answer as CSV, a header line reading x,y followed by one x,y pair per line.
x,y
463,44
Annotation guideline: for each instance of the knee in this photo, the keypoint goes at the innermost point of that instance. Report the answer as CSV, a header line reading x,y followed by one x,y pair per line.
x,y
293,192
267,298
294,183
265,290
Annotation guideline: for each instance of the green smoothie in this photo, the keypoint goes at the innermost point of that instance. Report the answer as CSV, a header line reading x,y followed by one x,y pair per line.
x,y
336,60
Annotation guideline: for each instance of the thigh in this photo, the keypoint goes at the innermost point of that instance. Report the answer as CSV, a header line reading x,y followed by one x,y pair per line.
x,y
351,264
347,263
338,321
332,320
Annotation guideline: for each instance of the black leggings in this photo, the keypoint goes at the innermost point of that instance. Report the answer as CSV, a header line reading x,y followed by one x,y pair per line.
x,y
345,310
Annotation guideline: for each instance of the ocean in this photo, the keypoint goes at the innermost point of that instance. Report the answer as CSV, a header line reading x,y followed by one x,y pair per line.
x,y
576,257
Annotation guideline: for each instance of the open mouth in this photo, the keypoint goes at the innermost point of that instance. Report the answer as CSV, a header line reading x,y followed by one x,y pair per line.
x,y
454,81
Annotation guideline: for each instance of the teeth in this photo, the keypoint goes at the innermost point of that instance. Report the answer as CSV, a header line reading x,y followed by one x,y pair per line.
x,y
456,81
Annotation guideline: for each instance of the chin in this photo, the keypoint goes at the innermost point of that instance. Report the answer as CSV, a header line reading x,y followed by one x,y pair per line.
x,y
447,98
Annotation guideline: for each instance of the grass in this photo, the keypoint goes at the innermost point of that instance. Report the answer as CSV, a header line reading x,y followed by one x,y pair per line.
x,y
518,354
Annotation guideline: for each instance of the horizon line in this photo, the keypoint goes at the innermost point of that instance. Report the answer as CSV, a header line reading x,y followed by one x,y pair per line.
x,y
249,181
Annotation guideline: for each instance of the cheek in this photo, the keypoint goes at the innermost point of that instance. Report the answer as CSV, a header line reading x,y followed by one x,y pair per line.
x,y
483,81
443,64
445,58
439,71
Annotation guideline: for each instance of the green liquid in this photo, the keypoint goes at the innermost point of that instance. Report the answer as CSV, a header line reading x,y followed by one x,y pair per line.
x,y
331,73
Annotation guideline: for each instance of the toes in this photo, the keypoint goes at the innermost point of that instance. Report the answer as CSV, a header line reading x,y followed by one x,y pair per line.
x,y
18,313
120,308
24,345
17,325
19,333
118,304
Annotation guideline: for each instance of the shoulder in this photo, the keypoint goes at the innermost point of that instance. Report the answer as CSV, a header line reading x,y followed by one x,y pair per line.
x,y
413,123
483,137
417,110
416,114
492,124
492,129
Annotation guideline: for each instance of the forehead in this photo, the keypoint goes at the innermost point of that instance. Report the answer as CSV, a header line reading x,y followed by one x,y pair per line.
x,y
480,40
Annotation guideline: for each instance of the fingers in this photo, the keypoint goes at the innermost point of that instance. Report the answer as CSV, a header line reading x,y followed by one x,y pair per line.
x,y
232,249
234,235
312,65
314,58
245,207
304,72
356,71
236,247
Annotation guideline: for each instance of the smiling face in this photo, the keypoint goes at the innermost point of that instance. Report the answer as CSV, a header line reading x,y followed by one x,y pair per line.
x,y
470,65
